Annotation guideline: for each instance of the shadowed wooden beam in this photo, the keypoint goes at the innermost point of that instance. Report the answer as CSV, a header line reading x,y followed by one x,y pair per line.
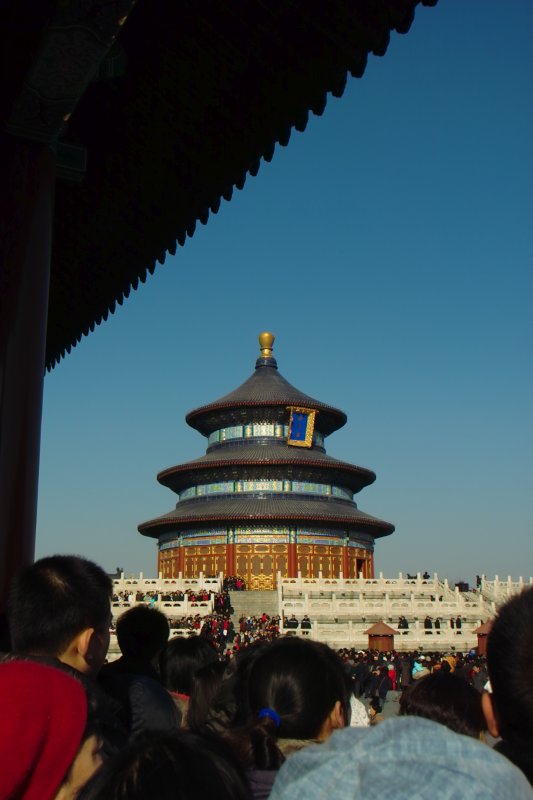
x,y
27,180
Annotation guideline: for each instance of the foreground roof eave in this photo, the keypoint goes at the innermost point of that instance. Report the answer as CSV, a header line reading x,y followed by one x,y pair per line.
x,y
256,72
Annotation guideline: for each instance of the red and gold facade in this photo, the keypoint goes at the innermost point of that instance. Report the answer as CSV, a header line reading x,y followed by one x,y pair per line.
x,y
266,498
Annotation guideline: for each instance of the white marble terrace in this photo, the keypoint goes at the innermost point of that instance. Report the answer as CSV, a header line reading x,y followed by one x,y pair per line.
x,y
342,610
129,592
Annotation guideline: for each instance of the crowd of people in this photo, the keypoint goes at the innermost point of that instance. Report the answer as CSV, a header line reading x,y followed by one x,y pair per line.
x,y
256,628
234,583
154,596
283,717
375,674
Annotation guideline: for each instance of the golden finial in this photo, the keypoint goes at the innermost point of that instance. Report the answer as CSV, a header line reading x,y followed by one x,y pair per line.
x,y
266,340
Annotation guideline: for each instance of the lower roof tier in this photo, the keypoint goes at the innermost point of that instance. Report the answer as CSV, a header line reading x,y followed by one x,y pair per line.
x,y
330,511
265,460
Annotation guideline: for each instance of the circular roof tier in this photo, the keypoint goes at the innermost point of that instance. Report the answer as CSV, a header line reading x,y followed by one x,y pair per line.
x,y
265,390
253,460
242,509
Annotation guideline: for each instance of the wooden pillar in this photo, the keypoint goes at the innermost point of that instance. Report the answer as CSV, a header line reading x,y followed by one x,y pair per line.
x,y
345,566
370,566
230,560
181,558
292,556
231,565
27,181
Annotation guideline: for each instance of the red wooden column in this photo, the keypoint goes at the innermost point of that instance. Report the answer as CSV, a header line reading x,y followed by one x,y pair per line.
x,y
345,566
181,559
292,556
231,568
370,566
27,180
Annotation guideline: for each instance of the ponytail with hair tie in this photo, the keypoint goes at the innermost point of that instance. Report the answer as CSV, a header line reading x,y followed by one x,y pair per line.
x,y
273,715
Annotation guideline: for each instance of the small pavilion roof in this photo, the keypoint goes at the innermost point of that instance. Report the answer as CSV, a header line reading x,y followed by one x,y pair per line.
x,y
274,508
484,629
188,101
381,629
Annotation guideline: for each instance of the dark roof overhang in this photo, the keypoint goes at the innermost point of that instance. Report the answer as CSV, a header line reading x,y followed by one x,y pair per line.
x,y
244,463
273,509
196,96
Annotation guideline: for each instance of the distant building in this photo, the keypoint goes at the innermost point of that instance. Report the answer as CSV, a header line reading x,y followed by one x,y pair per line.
x,y
265,497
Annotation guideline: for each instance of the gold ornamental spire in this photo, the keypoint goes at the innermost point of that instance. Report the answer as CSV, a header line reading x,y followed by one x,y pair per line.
x,y
266,341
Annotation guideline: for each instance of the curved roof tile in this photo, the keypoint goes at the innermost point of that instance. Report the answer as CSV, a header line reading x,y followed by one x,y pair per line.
x,y
249,455
265,387
269,508
207,91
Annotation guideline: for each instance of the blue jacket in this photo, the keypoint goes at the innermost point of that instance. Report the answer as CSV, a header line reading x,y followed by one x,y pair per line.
x,y
406,758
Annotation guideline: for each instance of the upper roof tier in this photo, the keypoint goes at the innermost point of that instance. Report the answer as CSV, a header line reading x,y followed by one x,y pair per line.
x,y
263,396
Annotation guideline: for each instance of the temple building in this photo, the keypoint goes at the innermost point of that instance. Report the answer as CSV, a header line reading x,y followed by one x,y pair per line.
x,y
266,497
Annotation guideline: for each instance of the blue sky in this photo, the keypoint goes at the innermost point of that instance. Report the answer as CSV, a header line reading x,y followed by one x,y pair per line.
x,y
389,248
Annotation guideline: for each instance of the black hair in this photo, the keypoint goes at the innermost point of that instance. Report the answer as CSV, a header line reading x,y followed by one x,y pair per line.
x,y
142,632
204,687
300,681
375,703
54,600
448,699
230,705
170,766
181,658
509,659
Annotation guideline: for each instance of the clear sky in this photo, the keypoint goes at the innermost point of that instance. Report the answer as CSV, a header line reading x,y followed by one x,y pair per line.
x,y
389,247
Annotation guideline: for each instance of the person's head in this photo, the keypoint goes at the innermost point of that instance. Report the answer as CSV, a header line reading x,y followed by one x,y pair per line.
x,y
305,684
509,709
375,707
181,658
448,699
142,632
60,606
170,766
49,745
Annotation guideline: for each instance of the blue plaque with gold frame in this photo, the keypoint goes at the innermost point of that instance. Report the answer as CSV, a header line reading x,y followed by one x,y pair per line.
x,y
301,426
